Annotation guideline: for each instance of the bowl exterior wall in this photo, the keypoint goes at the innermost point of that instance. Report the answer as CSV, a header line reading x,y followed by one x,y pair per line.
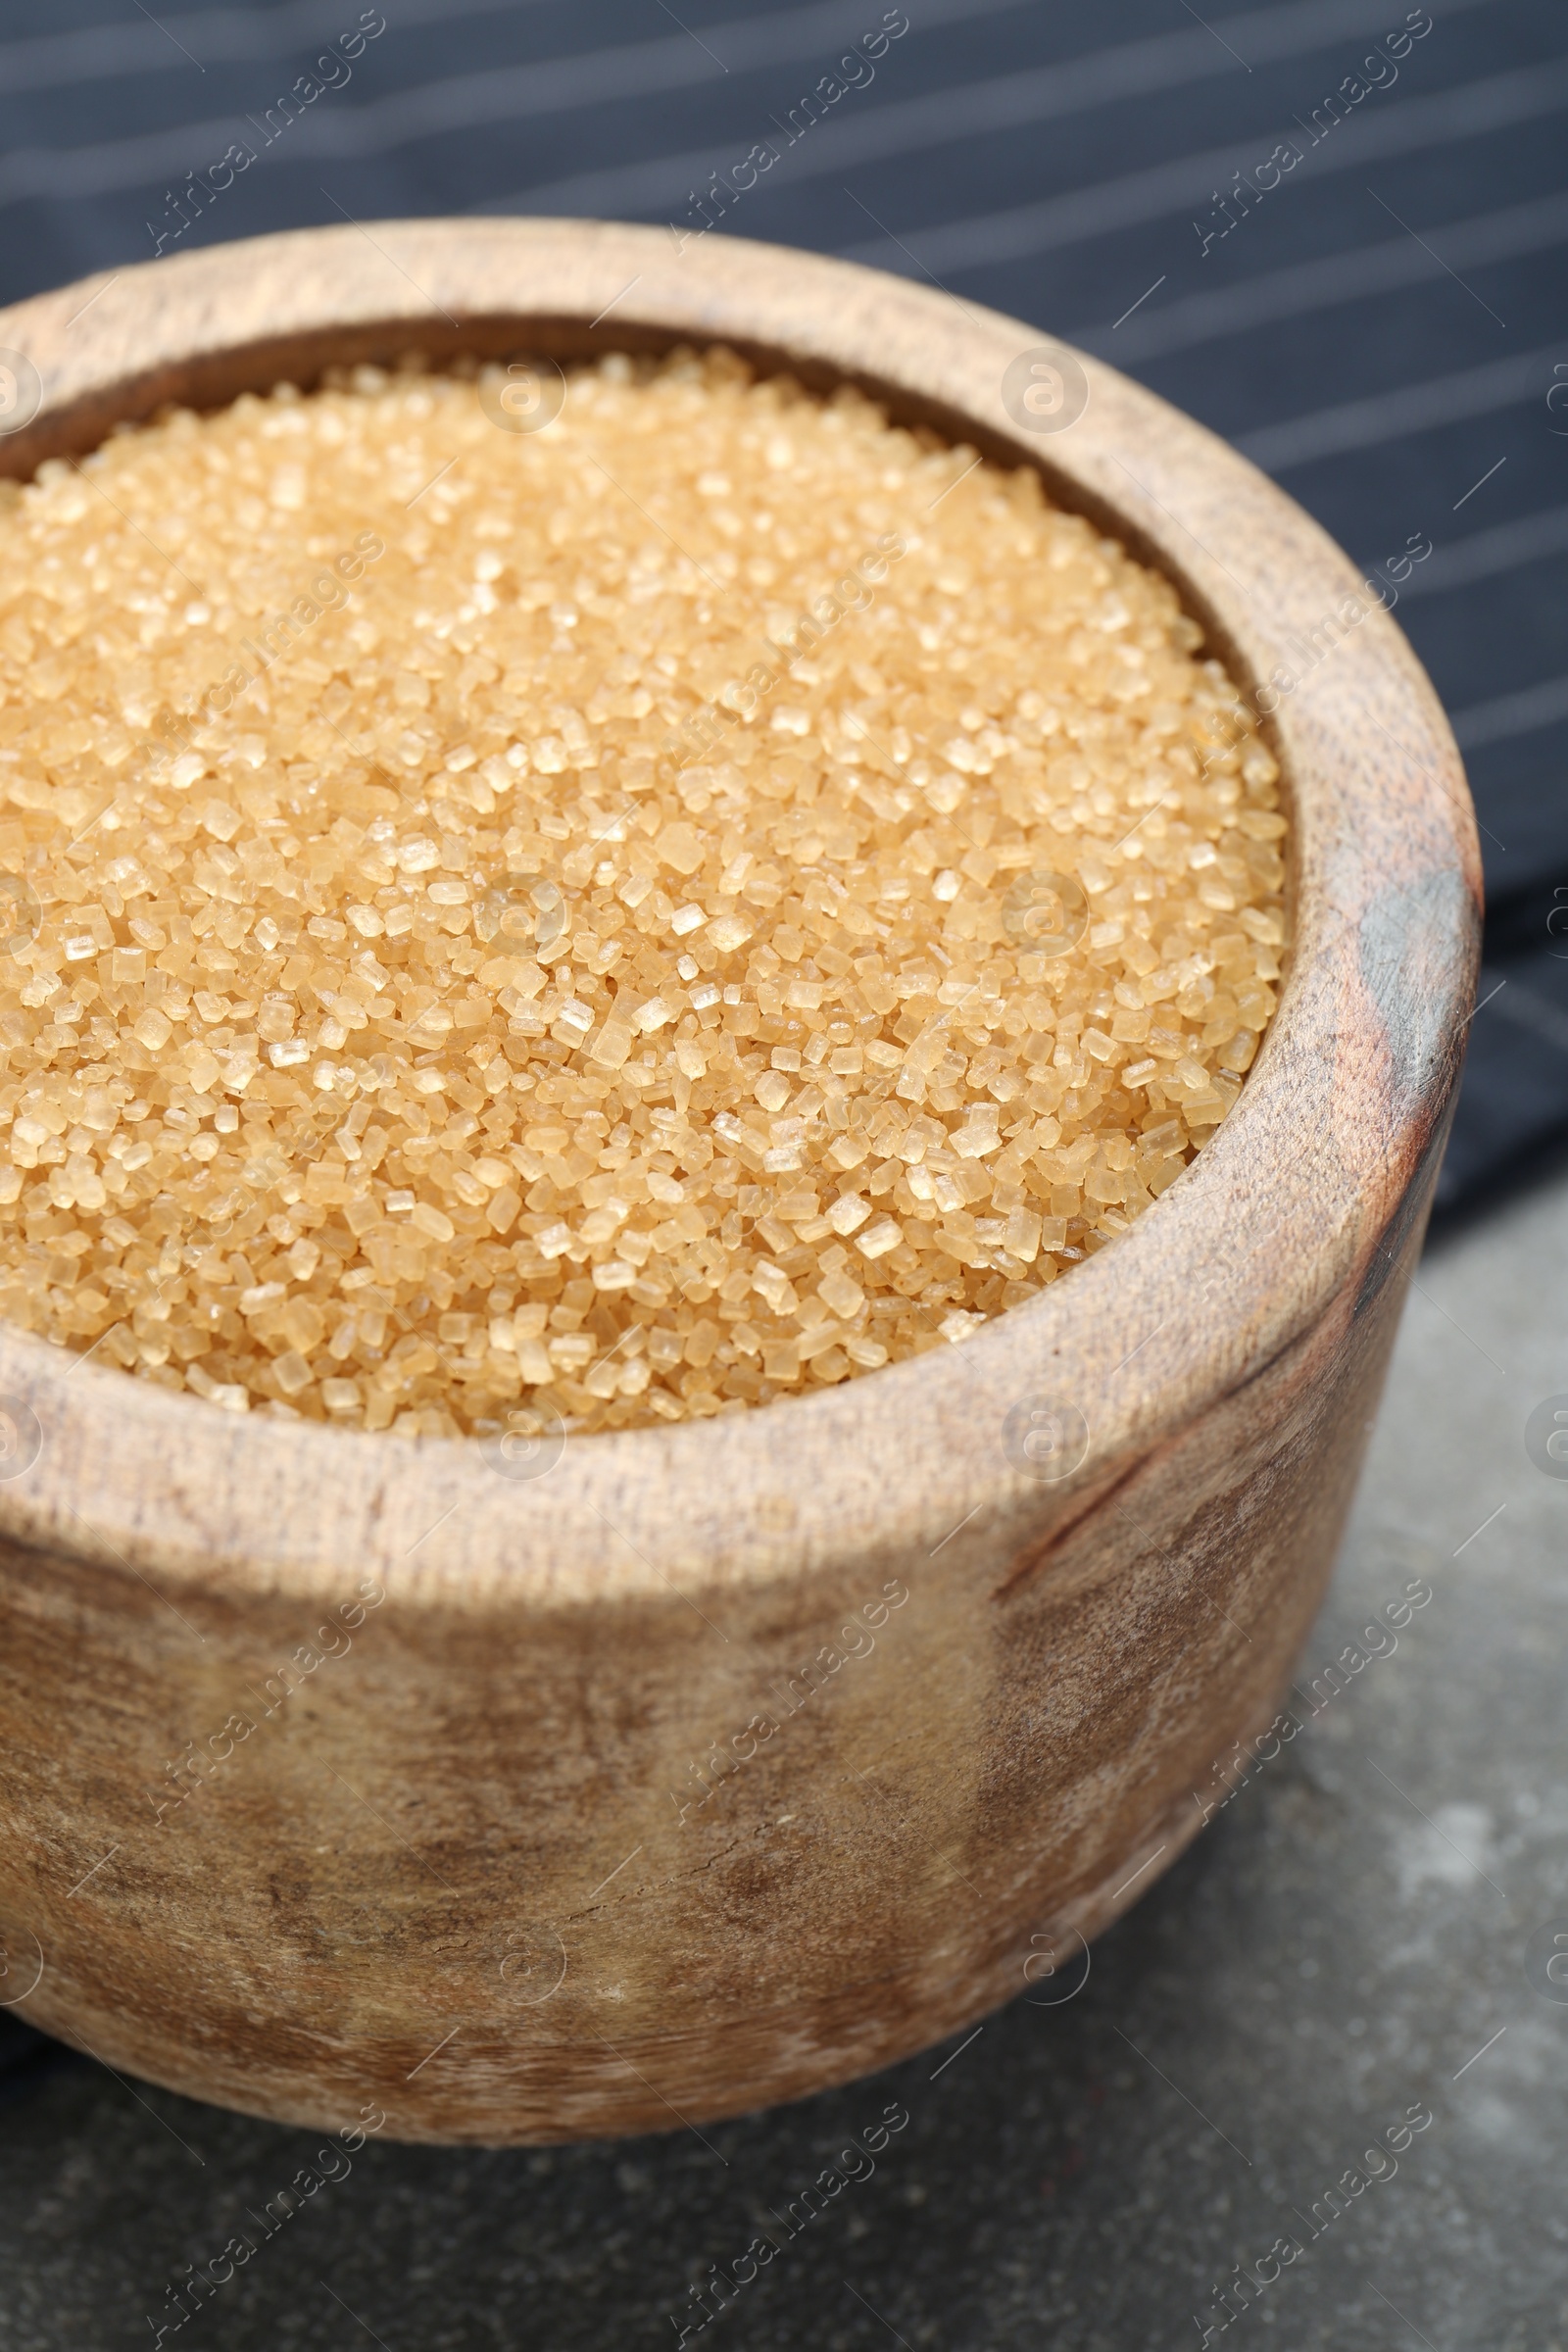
x,y
527,1875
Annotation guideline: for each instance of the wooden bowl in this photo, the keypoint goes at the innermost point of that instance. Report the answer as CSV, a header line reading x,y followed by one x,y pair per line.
x,y
467,1868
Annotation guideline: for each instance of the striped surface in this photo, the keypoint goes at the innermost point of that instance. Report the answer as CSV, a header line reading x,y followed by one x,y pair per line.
x,y
1379,330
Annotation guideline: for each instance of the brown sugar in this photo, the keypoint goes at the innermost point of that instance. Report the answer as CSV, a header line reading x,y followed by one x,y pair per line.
x,y
634,918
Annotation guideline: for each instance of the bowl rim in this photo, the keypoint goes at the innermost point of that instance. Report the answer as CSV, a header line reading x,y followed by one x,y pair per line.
x,y
1304,1192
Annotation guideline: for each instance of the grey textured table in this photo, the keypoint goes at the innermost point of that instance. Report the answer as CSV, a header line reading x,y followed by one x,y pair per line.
x,y
1347,1942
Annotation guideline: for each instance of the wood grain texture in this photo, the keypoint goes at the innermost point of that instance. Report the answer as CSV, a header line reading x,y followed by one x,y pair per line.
x,y
458,1831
